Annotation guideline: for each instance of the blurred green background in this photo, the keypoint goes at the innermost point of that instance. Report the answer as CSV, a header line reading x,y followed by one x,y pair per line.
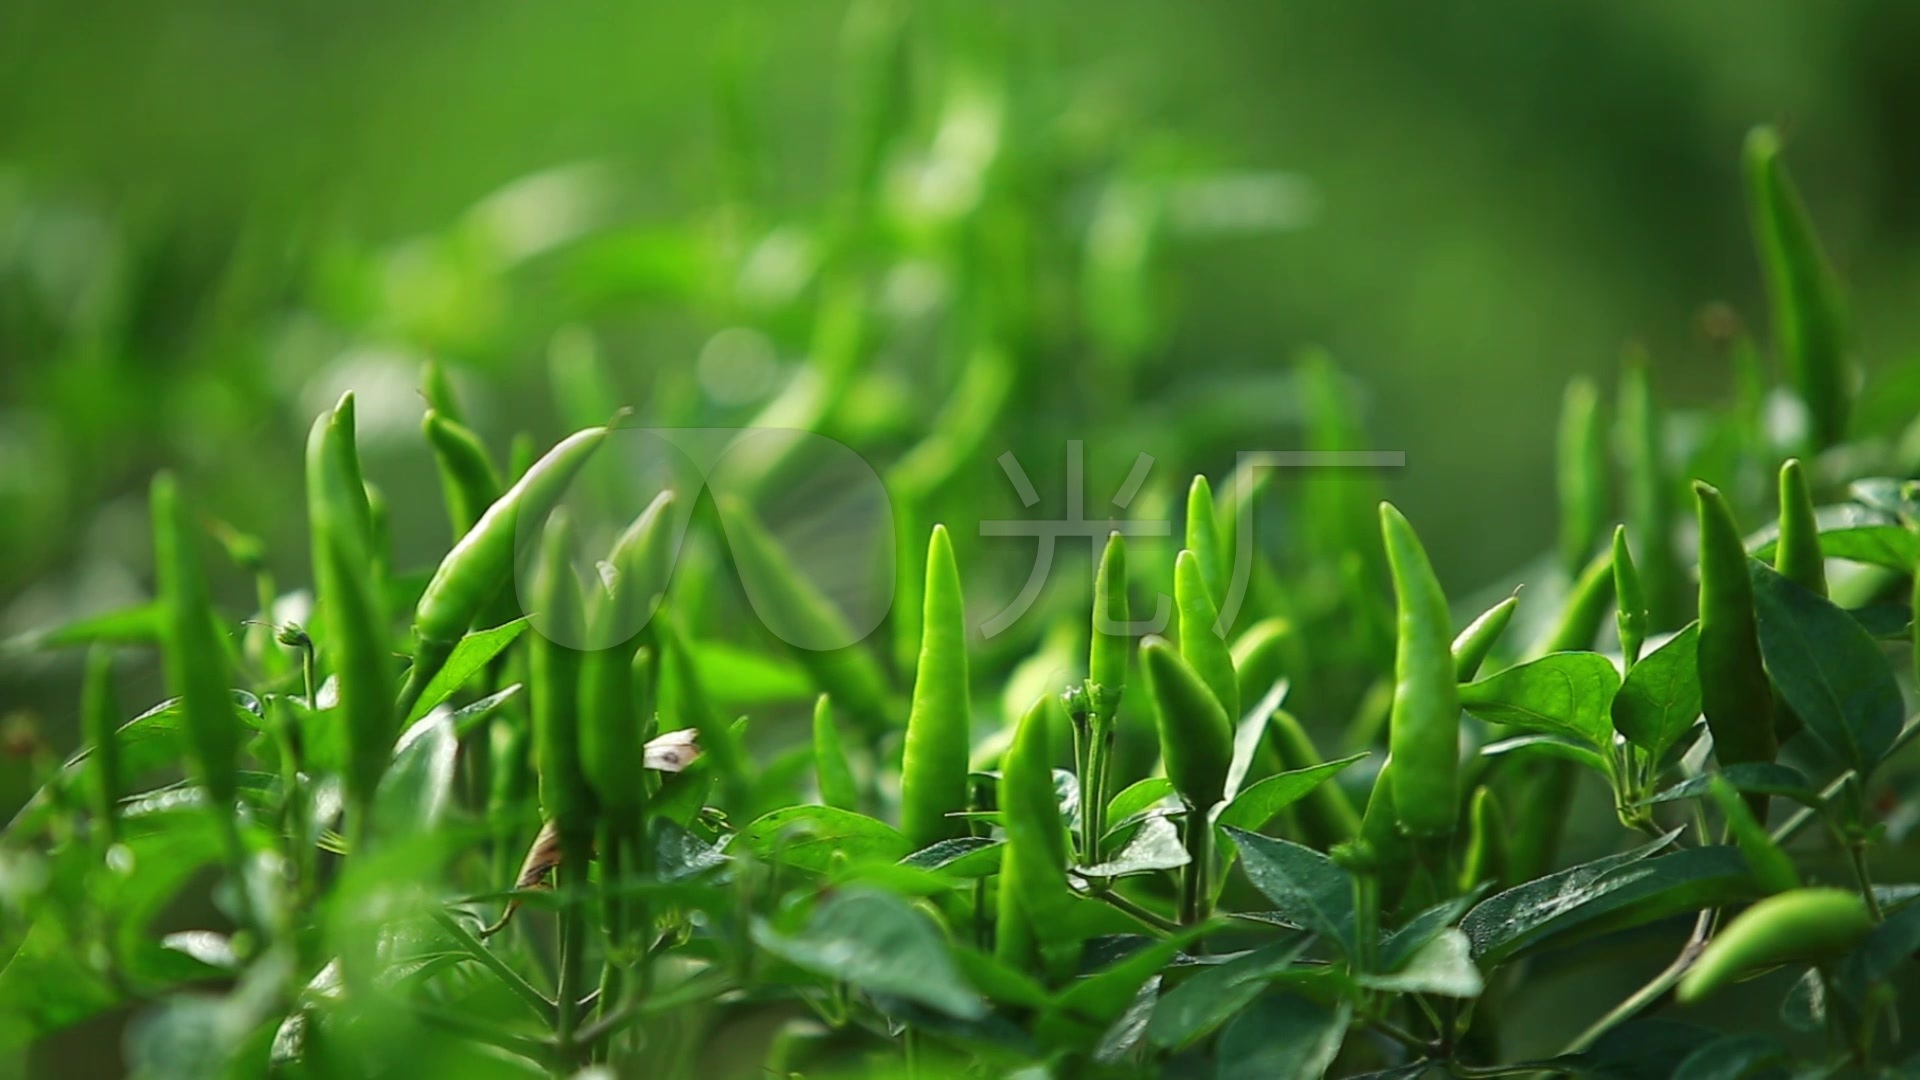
x,y
214,217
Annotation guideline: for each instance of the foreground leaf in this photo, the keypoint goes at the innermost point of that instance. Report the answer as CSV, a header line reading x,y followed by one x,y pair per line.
x,y
1829,669
1284,1038
1660,698
878,943
1566,694
809,836
1303,884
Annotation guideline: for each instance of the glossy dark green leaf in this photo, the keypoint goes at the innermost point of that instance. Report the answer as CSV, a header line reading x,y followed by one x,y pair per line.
x,y
1828,669
1400,946
1303,884
1628,889
1084,1009
1137,797
1211,996
1443,965
1752,777
1283,1037
1734,1057
1888,948
470,657
1660,698
1634,1051
878,943
962,856
1566,694
809,836
1156,846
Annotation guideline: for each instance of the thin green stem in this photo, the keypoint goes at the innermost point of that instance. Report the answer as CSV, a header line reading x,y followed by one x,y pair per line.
x,y
1655,987
1144,914
1196,896
573,949
475,948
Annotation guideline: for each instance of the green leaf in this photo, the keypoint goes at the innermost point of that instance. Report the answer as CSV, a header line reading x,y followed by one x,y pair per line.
x,y
998,981
1444,966
1888,948
1751,777
1551,746
1137,797
1401,945
1629,889
1283,1038
418,787
742,679
1633,1051
1660,698
1083,1011
1211,996
962,856
474,652
809,836
1853,532
1254,807
878,943
1155,847
1733,1057
135,625
1566,694
1829,669
1250,735
1305,885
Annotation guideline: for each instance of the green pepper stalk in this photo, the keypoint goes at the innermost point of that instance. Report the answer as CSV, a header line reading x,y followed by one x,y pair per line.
x,y
933,776
1797,555
830,770
100,715
1200,642
1203,537
468,480
1424,732
1639,442
1631,618
1196,744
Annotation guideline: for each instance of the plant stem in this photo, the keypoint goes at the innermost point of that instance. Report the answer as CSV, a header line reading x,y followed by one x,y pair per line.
x,y
1657,986
573,947
1144,914
502,970
1196,897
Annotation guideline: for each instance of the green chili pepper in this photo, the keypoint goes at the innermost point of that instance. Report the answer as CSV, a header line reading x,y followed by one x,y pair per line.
x,y
1473,645
1200,642
1583,473
1196,738
1269,650
1806,925
1424,732
1798,556
481,561
1809,309
787,601
510,785
933,776
100,715
195,658
1486,841
611,747
1735,693
1203,538
349,592
1036,833
1585,610
1107,656
468,479
1771,867
437,388
565,797
1326,814
830,769
1632,600
1106,680
719,740
1637,427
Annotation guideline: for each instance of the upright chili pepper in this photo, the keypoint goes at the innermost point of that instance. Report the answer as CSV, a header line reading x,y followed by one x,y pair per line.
x,y
1196,744
1639,442
566,799
350,595
195,659
1809,925
1200,642
1734,691
1106,680
933,773
437,388
1630,597
1809,309
1474,643
1203,538
468,480
830,770
1486,842
481,561
1036,837
100,716
1424,732
1582,465
1798,556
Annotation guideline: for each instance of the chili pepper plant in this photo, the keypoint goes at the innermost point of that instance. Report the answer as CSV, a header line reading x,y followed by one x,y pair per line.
x,y
557,801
